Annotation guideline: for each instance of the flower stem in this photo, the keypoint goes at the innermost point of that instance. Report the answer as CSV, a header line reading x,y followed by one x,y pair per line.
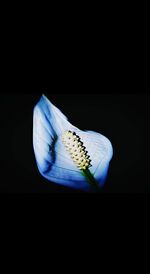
x,y
91,179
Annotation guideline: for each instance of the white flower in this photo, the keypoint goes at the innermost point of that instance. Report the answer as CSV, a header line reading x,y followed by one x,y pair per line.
x,y
57,164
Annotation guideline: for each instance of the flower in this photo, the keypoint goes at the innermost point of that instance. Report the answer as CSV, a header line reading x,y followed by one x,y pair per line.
x,y
64,153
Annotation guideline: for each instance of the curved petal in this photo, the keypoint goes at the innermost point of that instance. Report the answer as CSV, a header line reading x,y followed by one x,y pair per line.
x,y
53,161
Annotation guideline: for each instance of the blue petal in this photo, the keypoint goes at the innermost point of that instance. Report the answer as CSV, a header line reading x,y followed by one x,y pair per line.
x,y
53,161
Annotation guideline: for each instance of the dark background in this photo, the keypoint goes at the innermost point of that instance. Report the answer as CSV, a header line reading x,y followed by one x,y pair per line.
x,y
123,118
105,57
88,53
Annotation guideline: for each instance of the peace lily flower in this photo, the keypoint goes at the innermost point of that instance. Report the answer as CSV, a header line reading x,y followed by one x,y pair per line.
x,y
65,154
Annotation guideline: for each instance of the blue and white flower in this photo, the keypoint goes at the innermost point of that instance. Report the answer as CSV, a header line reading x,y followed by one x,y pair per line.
x,y
62,160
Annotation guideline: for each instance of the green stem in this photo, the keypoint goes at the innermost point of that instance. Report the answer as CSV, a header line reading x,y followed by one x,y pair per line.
x,y
91,179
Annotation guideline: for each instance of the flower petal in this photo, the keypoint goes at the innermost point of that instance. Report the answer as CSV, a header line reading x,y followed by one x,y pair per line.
x,y
53,161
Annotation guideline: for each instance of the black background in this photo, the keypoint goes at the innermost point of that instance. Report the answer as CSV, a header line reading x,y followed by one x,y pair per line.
x,y
96,70
122,117
95,51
